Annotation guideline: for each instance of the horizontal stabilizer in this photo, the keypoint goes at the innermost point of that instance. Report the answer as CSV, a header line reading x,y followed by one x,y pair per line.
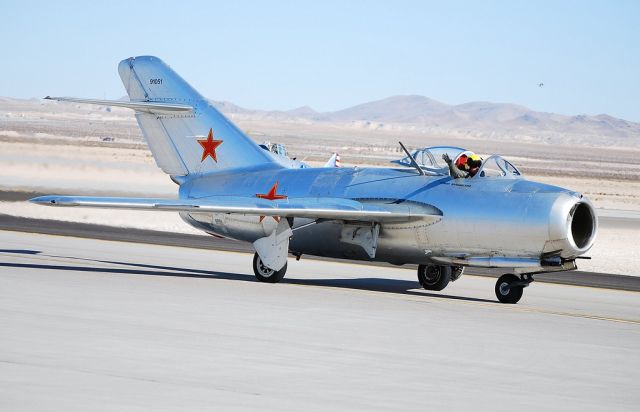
x,y
326,208
142,106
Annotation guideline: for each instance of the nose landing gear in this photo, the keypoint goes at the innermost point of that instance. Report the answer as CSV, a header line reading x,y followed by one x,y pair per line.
x,y
509,287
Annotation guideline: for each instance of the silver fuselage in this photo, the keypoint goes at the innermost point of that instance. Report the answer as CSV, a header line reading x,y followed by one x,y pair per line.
x,y
486,221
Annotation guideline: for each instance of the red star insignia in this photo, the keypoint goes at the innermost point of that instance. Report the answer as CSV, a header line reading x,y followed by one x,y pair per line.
x,y
209,146
271,195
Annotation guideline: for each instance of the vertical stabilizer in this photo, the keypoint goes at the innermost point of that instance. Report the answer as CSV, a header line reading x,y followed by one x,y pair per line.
x,y
199,141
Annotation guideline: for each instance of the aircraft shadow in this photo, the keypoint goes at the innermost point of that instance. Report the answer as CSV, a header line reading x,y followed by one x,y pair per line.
x,y
20,251
396,286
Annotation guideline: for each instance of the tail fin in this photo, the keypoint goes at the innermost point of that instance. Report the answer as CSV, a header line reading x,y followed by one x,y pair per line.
x,y
200,141
334,161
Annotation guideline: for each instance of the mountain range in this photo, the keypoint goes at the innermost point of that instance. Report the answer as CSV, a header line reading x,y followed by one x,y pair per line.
x,y
401,115
475,118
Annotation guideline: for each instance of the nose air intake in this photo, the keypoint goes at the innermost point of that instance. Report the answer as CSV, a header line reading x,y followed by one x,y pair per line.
x,y
573,226
582,225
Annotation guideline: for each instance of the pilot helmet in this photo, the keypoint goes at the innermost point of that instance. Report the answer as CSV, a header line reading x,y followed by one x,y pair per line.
x,y
474,161
461,162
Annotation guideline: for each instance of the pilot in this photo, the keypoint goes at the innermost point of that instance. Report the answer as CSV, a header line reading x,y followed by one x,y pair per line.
x,y
464,166
473,163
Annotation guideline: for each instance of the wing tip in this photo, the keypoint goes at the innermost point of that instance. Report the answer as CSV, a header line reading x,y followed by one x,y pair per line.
x,y
49,200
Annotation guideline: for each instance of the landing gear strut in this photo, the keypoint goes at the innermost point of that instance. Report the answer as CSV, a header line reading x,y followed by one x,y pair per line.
x,y
266,274
509,287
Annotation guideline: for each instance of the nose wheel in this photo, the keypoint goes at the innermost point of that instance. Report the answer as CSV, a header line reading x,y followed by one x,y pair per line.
x,y
509,287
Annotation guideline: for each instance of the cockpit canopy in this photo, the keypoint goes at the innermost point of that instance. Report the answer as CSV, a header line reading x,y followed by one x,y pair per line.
x,y
430,160
276,148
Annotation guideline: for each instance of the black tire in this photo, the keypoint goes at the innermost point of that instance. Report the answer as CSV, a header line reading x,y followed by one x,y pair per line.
x,y
264,274
434,277
506,291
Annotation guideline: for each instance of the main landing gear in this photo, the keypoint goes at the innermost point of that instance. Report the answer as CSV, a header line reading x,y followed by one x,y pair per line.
x,y
437,277
509,287
265,274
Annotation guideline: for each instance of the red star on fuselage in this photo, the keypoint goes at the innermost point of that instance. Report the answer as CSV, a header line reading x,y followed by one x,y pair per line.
x,y
209,146
271,195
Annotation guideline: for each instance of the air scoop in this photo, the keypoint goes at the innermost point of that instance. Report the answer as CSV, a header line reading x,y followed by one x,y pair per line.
x,y
573,226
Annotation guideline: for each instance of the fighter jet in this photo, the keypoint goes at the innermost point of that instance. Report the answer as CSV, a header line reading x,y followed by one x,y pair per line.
x,y
229,186
279,153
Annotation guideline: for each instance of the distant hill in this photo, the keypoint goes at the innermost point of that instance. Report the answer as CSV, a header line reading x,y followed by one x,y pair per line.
x,y
415,114
475,118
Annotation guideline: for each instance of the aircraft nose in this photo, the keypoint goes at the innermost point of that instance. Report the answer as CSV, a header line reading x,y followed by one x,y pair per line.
x,y
573,225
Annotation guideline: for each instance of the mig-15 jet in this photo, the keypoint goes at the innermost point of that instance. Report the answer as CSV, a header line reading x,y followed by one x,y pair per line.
x,y
415,213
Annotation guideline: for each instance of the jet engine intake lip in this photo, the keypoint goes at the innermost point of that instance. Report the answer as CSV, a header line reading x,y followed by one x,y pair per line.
x,y
582,225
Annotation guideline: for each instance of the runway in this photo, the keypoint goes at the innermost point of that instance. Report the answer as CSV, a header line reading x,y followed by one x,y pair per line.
x,y
94,231
103,325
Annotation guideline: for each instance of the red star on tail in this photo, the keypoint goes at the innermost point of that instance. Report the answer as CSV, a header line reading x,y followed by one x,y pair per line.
x,y
271,195
209,146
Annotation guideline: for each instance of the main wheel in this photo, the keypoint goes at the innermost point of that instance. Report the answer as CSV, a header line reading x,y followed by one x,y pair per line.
x,y
433,277
506,289
265,274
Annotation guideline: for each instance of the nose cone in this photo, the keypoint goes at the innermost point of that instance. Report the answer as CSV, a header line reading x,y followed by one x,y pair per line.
x,y
573,226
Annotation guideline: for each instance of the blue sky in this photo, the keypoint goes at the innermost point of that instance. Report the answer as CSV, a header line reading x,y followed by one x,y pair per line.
x,y
331,55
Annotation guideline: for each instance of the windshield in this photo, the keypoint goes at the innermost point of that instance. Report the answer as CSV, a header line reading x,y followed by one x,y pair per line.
x,y
430,159
278,148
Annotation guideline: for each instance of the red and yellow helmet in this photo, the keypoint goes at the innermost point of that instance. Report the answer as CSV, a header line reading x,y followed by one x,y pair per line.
x,y
474,161
461,162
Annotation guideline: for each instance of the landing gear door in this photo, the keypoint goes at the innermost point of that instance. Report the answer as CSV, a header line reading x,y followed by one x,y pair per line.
x,y
273,249
364,236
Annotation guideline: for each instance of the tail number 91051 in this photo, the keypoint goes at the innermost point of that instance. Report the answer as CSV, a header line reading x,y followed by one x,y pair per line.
x,y
155,81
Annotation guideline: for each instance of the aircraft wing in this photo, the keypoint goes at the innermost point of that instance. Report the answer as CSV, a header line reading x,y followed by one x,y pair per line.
x,y
313,208
142,106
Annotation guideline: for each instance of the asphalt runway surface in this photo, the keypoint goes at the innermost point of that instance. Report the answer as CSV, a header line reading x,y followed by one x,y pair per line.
x,y
92,324
93,231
